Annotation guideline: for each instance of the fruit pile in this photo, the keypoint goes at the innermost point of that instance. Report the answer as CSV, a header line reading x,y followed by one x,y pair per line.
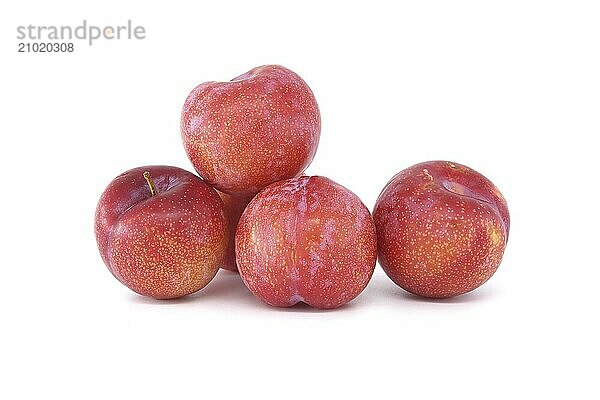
x,y
438,228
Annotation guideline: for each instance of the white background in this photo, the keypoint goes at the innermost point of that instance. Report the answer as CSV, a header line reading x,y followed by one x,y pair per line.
x,y
509,88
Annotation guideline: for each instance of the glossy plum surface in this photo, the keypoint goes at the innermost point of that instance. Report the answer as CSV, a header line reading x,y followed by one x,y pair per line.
x,y
259,128
442,229
306,239
162,246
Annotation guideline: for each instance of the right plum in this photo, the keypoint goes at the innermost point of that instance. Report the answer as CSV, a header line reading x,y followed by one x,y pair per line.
x,y
442,229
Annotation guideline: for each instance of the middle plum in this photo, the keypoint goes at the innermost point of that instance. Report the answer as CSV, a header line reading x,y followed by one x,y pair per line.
x,y
306,239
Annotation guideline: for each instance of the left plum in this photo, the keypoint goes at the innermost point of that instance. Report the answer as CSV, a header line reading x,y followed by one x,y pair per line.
x,y
161,231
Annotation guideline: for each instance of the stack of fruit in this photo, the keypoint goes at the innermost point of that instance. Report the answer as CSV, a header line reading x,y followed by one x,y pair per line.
x,y
439,228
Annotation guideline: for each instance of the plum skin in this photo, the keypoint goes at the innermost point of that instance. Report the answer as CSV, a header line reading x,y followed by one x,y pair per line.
x,y
164,246
257,129
306,239
442,229
234,207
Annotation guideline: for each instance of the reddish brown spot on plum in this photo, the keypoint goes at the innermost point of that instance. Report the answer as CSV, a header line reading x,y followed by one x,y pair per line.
x,y
442,229
259,128
164,242
306,239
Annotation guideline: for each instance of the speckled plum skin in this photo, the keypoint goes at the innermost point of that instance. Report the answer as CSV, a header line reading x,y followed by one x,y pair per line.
x,y
163,246
257,129
442,229
306,239
234,207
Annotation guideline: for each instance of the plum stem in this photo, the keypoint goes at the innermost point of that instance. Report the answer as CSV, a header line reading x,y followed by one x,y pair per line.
x,y
150,183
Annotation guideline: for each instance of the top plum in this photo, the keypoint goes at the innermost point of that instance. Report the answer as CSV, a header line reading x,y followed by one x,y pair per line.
x,y
257,129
